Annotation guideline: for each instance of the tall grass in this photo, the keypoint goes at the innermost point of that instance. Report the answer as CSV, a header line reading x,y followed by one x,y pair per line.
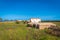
x,y
13,31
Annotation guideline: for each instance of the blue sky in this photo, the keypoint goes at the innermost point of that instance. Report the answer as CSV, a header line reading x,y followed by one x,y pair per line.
x,y
25,9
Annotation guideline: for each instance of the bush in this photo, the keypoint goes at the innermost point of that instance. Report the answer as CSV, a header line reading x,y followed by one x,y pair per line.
x,y
29,25
17,22
36,26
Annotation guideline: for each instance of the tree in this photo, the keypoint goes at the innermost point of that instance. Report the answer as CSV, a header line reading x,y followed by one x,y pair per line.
x,y
1,19
6,20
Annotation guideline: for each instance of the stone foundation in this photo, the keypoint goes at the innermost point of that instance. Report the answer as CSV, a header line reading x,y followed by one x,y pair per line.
x,y
44,25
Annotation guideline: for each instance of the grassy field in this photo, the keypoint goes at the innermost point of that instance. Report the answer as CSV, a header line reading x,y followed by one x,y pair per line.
x,y
13,31
57,23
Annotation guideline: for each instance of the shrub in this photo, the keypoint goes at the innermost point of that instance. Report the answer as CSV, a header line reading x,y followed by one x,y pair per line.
x,y
17,22
29,25
36,26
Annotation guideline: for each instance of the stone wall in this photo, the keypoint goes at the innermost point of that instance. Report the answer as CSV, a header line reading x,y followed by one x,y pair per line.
x,y
43,25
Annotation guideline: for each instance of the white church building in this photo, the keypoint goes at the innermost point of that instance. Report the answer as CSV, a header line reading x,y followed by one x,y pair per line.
x,y
35,20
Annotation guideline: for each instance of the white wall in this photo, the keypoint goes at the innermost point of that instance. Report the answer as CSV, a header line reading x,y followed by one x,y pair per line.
x,y
35,20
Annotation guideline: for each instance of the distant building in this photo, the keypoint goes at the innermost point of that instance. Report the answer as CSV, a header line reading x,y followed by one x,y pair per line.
x,y
35,20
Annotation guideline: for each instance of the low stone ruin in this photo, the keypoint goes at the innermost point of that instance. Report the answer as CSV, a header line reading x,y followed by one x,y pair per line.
x,y
54,30
41,25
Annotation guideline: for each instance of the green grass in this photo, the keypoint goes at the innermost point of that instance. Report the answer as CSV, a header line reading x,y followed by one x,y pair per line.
x,y
13,31
57,23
